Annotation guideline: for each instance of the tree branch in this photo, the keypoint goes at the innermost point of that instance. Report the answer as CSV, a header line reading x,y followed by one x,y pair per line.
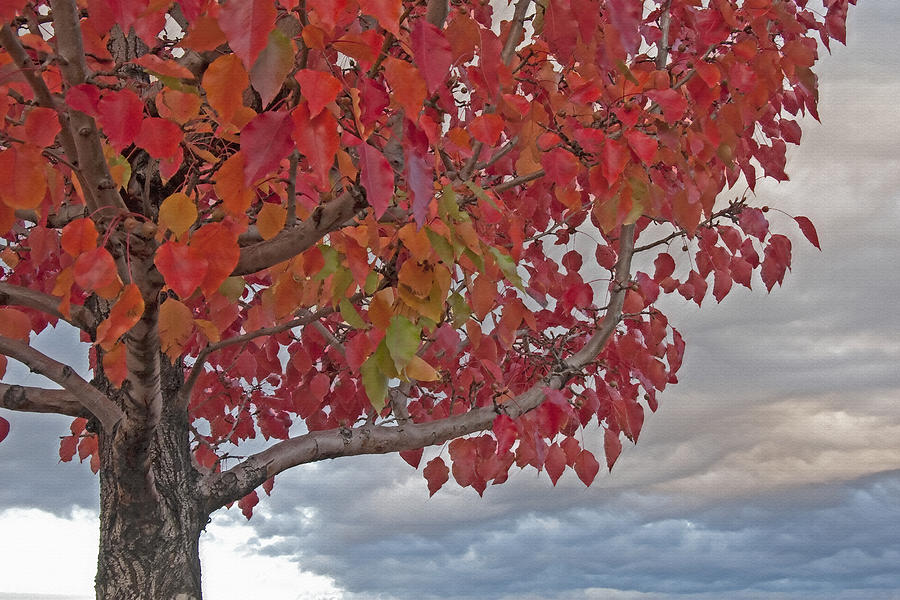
x,y
326,218
227,486
41,400
11,43
100,189
14,295
65,376
184,394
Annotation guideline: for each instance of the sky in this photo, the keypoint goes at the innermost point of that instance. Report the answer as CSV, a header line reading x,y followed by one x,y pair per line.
x,y
772,470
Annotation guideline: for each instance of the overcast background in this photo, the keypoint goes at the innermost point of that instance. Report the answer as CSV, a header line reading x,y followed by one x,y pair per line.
x,y
771,471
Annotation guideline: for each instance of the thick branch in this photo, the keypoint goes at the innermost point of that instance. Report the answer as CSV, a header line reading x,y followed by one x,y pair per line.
x,y
100,190
225,487
291,242
40,400
14,295
65,376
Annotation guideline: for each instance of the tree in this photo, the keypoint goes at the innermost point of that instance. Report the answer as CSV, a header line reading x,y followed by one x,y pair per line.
x,y
355,227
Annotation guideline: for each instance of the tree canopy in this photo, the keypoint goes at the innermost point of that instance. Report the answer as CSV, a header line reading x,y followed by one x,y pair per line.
x,y
352,227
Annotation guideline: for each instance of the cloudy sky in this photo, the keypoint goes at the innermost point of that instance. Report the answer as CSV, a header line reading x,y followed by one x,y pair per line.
x,y
771,471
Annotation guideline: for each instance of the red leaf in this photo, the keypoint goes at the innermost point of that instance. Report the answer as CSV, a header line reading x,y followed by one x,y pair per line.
x,y
436,473
41,126
319,88
432,53
672,103
67,448
412,457
721,284
753,222
555,462
4,428
665,266
615,157
377,178
159,137
506,432
642,144
317,139
120,114
776,261
486,128
809,230
182,270
625,16
247,503
612,445
95,269
246,25
265,141
84,97
587,467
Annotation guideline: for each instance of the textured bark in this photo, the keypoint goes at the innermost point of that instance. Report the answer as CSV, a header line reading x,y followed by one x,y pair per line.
x,y
149,549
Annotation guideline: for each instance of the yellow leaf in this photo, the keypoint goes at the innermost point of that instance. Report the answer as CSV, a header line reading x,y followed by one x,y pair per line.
x,y
270,220
177,213
176,323
420,370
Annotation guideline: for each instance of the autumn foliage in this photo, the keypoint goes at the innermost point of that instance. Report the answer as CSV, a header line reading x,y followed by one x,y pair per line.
x,y
360,226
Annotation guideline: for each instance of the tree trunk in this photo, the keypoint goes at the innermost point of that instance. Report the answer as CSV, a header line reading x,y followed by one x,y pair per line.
x,y
149,549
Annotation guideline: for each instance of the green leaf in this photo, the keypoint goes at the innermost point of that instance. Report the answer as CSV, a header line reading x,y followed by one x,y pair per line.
x,y
481,194
342,279
374,382
351,316
372,280
332,260
461,309
402,339
441,246
508,266
448,209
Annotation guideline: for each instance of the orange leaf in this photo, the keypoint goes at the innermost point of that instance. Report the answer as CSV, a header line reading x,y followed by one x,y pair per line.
x,y
177,213
229,186
319,89
176,323
482,294
225,81
115,364
125,313
177,106
407,84
420,370
22,180
216,245
416,277
204,34
270,220
416,240
14,324
78,237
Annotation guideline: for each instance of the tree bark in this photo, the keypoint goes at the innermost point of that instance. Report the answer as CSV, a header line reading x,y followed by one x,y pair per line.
x,y
149,549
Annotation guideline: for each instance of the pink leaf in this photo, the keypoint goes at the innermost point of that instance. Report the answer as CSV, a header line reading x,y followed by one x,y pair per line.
x,y
377,178
422,187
